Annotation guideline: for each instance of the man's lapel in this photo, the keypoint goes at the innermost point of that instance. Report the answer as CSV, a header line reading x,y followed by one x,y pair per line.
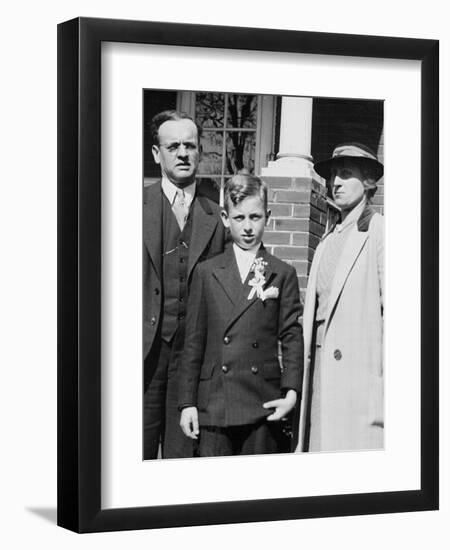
x,y
152,214
203,225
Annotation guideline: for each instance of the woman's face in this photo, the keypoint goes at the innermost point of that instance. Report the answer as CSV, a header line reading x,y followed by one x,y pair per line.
x,y
347,185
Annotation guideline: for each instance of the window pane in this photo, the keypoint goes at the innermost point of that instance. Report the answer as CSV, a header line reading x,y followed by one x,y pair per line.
x,y
242,111
240,152
212,144
209,109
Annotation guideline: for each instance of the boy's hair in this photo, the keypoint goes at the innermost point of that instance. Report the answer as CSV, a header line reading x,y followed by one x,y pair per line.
x,y
241,186
165,116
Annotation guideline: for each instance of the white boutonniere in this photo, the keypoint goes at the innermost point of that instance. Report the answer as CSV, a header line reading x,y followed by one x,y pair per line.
x,y
258,281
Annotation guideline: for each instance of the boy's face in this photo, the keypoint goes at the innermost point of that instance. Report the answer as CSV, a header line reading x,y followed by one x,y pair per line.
x,y
246,221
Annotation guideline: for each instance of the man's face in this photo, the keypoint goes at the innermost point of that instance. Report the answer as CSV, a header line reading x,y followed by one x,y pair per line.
x,y
246,221
347,185
178,151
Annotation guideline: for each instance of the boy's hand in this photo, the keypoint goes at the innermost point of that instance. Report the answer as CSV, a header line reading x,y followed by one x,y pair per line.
x,y
282,406
189,422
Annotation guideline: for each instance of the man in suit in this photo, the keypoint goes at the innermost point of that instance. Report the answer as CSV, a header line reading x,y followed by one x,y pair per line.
x,y
342,407
181,228
233,392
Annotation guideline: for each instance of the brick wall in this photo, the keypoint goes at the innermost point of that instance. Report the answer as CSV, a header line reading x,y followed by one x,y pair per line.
x,y
298,220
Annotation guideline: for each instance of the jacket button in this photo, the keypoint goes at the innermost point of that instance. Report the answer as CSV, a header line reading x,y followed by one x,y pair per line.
x,y
337,354
224,369
255,344
153,321
254,370
156,291
226,340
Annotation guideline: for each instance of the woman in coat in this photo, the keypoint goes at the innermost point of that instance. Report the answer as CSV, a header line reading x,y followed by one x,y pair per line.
x,y
342,408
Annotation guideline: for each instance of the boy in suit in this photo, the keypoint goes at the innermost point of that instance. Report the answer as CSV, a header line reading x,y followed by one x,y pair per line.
x,y
233,393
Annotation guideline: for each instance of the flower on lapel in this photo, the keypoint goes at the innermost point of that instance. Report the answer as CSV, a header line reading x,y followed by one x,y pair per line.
x,y
257,283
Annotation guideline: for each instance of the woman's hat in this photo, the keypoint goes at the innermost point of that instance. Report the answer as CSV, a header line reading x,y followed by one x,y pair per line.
x,y
357,153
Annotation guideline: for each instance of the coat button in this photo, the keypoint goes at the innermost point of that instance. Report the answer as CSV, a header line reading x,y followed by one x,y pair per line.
x,y
255,344
337,354
224,369
156,291
153,321
254,370
226,340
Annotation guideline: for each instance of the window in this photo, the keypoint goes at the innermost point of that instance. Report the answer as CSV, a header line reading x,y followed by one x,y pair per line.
x,y
237,133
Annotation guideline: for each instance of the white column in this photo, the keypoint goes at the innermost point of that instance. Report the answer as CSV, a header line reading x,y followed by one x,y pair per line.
x,y
294,158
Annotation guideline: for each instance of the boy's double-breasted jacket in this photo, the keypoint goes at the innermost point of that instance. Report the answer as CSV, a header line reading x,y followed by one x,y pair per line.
x,y
231,360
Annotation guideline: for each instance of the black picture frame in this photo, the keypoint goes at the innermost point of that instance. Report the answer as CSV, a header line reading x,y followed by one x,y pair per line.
x,y
79,274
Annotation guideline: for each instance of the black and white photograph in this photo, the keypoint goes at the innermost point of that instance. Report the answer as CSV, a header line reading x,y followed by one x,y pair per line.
x,y
263,274
247,275
225,275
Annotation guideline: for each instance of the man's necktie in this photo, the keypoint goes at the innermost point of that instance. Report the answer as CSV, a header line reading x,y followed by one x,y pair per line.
x,y
180,208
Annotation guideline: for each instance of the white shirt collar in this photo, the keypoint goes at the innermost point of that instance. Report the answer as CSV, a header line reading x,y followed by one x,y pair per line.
x,y
170,190
245,259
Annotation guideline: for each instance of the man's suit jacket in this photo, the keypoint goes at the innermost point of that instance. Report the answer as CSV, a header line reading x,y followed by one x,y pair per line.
x,y
230,365
207,239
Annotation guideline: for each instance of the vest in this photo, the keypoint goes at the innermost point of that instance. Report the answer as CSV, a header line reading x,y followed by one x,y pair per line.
x,y
175,265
